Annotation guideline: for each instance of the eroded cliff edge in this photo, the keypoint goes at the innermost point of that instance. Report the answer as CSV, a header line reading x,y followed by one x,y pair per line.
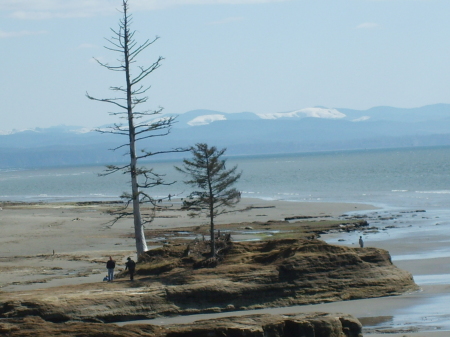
x,y
250,275
312,325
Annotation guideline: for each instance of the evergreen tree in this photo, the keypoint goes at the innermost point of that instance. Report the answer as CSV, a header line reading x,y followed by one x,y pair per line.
x,y
208,173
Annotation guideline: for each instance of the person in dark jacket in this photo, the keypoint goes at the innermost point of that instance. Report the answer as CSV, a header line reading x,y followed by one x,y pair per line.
x,y
110,265
130,266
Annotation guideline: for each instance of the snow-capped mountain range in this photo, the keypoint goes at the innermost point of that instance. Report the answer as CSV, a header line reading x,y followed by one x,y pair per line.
x,y
245,133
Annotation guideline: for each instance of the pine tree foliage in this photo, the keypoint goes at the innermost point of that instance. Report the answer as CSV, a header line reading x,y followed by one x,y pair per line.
x,y
213,181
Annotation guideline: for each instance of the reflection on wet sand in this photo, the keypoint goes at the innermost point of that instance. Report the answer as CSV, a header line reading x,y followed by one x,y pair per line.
x,y
377,320
417,242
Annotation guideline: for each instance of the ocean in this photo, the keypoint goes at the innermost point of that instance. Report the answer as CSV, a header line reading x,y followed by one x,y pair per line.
x,y
407,177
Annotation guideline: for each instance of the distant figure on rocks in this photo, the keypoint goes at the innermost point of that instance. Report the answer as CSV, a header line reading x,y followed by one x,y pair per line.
x,y
170,197
361,242
130,266
110,265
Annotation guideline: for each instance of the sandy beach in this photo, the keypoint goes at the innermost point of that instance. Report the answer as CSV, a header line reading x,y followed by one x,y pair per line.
x,y
47,245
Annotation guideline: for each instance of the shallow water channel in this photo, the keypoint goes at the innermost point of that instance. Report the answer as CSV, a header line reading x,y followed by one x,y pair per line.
x,y
403,234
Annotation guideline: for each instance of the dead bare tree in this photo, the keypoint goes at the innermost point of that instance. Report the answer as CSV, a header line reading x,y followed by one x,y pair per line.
x,y
141,124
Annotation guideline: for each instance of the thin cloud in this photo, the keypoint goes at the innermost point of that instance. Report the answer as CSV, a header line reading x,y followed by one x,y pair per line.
x,y
48,9
156,4
62,9
367,25
231,2
39,15
226,20
5,35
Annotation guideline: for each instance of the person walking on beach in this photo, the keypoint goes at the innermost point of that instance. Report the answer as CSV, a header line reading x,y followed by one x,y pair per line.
x,y
131,266
361,242
110,265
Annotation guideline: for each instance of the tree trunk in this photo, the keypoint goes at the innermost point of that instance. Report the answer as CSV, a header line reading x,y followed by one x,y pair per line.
x,y
211,217
141,244
213,239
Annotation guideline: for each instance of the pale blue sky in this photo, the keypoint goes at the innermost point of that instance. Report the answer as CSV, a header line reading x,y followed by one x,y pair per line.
x,y
227,55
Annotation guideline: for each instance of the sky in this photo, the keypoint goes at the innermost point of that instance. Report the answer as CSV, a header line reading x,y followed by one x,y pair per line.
x,y
263,56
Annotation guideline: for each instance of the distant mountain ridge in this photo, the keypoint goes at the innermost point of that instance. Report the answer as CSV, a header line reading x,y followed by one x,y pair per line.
x,y
245,133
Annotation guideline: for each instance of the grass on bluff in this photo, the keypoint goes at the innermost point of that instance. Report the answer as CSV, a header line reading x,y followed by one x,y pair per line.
x,y
179,250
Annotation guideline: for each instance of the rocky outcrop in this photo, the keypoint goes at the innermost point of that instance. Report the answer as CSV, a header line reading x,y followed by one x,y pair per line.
x,y
251,275
310,325
289,272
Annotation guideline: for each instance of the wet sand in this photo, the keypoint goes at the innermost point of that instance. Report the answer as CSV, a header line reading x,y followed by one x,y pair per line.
x,y
46,245
59,244
418,242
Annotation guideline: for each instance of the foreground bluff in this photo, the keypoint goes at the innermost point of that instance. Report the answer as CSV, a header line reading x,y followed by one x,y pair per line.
x,y
300,325
251,275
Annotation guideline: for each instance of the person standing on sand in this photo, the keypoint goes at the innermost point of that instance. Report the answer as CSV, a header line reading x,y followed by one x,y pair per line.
x,y
110,265
361,242
131,266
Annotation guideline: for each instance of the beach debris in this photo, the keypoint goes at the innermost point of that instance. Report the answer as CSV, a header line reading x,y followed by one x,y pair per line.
x,y
302,217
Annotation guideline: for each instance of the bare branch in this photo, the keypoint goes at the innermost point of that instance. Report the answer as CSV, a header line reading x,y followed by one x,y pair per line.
x,y
142,47
107,66
110,169
107,100
147,71
149,154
